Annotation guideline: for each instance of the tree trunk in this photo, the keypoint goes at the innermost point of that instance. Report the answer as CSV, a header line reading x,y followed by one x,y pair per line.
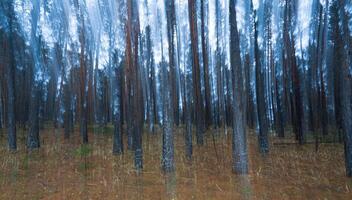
x,y
239,141
118,140
133,83
10,79
261,106
33,134
167,161
204,37
346,87
198,102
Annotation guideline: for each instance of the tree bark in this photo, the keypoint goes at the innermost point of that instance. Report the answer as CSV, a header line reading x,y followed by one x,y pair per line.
x,y
198,102
239,141
261,106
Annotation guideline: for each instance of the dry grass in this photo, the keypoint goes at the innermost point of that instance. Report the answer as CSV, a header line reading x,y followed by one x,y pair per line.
x,y
57,171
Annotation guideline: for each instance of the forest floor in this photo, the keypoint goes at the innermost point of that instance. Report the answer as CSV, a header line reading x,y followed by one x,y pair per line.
x,y
64,169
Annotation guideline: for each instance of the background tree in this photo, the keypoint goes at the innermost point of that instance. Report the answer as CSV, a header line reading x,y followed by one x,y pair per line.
x,y
261,105
10,66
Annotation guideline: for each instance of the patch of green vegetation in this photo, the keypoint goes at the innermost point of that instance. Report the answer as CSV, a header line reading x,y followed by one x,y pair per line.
x,y
83,166
247,191
101,129
108,129
21,135
84,150
2,176
14,174
25,162
331,137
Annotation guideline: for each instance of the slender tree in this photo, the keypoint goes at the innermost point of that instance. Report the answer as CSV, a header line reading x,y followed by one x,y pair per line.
x,y
239,141
133,88
171,26
346,87
198,100
167,161
33,134
10,66
118,139
261,105
204,38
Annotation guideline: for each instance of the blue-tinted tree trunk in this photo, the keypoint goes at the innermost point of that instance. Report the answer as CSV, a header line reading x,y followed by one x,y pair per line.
x,y
36,44
118,140
1,109
10,66
188,135
11,123
280,129
347,116
169,92
198,100
171,25
336,64
68,110
346,87
33,134
167,161
83,100
262,118
239,141
188,121
150,81
204,39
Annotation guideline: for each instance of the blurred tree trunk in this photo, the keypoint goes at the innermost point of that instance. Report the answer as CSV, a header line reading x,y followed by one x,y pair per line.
x,y
171,25
198,102
83,90
346,86
33,134
290,64
10,66
167,161
261,105
204,38
118,137
82,74
239,141
133,88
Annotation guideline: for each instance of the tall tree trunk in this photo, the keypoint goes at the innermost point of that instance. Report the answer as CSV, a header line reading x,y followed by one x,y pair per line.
x,y
171,25
261,106
135,101
83,95
82,73
167,161
68,110
118,139
1,105
10,76
33,134
346,87
199,111
8,45
188,121
204,38
239,141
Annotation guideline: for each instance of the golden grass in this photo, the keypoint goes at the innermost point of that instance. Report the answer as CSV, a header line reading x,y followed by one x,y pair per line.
x,y
59,170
